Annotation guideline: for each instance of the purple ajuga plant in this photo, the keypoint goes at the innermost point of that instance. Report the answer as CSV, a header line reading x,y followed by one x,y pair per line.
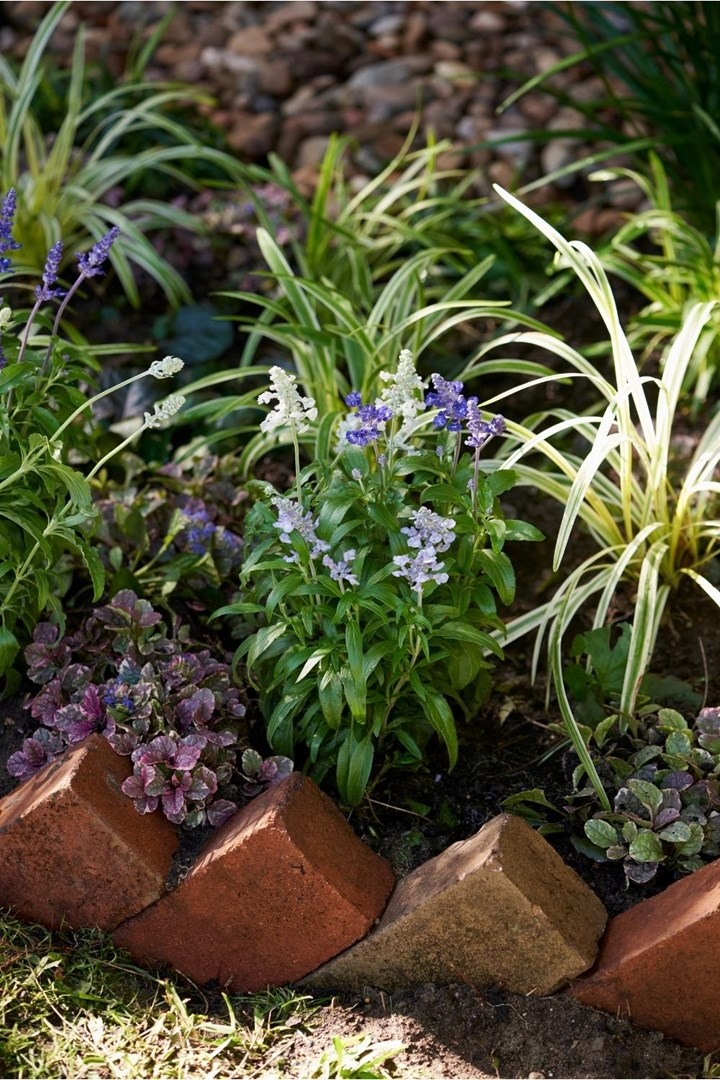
x,y
161,700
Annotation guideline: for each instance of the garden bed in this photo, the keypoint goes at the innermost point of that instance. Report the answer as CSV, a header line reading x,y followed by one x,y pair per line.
x,y
188,531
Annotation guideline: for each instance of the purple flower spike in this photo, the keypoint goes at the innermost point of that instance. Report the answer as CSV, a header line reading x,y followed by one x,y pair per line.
x,y
373,417
90,262
46,291
7,215
448,399
353,400
481,431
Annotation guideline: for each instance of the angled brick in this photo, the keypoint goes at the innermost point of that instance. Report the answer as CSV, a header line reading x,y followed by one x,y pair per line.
x,y
500,909
284,885
73,849
658,962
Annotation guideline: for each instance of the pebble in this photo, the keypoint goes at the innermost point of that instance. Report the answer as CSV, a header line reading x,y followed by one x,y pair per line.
x,y
285,75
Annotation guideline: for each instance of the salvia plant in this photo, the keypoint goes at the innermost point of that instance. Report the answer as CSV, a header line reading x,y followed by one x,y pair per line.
x,y
655,525
367,273
368,591
46,503
163,701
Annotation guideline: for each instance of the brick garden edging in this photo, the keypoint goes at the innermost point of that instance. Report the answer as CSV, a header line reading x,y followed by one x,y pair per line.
x,y
499,909
659,963
286,892
73,849
283,886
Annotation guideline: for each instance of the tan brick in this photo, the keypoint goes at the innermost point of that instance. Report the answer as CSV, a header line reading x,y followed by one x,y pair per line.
x,y
500,909
283,886
658,962
73,848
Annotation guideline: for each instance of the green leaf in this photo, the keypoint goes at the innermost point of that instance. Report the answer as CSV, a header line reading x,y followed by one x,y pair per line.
x,y
601,833
499,569
93,562
9,648
533,795
457,631
646,847
439,715
330,695
354,766
262,640
354,646
521,530
676,833
695,844
678,744
649,795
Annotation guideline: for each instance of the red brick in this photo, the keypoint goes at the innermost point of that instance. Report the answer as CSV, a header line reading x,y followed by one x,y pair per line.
x,y
73,849
284,886
658,962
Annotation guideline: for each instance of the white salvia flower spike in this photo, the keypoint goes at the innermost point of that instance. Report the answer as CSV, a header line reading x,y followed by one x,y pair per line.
x,y
5,316
164,410
292,409
165,368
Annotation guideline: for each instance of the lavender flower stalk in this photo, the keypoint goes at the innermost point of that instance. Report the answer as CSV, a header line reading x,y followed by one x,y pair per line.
x,y
45,292
90,264
7,217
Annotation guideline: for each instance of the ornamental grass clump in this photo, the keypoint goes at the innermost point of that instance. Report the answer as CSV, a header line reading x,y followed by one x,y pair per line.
x,y
655,527
165,702
46,505
368,592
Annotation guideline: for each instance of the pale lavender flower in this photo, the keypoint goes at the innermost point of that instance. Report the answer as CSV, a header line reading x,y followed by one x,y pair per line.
x,y
429,530
340,570
356,475
47,291
292,518
90,263
430,534
421,569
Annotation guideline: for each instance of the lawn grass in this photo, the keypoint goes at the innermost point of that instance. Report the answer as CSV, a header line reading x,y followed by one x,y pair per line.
x,y
72,1005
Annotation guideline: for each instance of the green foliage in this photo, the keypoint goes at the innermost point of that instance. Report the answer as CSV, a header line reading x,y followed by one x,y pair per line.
x,y
71,1004
673,265
653,525
360,641
46,505
367,273
63,177
666,805
658,66
172,531
358,1058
